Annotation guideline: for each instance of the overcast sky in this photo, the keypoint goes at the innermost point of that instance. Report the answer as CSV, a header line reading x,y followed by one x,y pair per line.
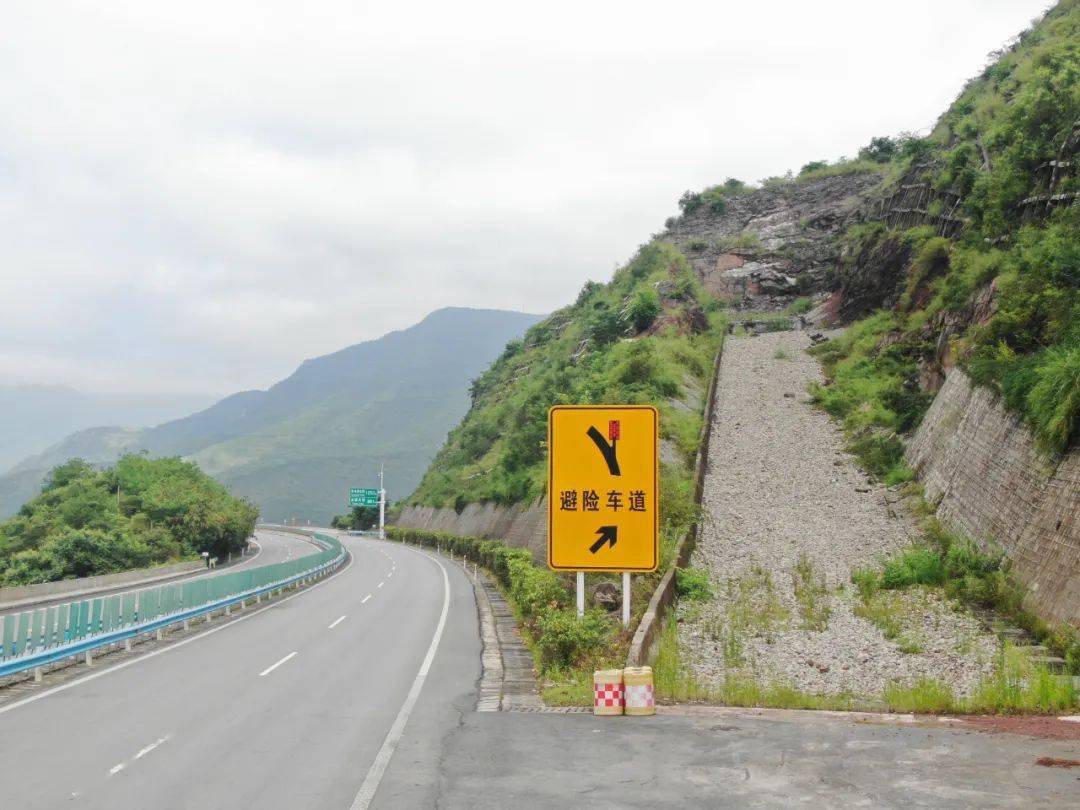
x,y
197,196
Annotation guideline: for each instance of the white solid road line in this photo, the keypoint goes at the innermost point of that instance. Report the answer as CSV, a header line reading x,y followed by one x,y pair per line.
x,y
365,599
154,653
393,737
272,667
336,622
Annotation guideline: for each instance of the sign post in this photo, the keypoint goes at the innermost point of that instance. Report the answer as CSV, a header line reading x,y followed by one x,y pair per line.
x,y
382,506
603,492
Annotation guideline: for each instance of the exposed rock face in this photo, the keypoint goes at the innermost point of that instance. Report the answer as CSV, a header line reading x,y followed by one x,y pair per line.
x,y
773,243
871,279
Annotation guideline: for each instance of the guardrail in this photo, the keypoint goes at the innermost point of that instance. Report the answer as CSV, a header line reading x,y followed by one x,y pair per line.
x,y
34,639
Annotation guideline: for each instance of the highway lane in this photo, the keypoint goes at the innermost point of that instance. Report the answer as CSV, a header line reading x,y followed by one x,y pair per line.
x,y
274,547
289,707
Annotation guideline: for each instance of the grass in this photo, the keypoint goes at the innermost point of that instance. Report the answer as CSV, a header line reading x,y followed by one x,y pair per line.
x,y
811,594
780,354
800,306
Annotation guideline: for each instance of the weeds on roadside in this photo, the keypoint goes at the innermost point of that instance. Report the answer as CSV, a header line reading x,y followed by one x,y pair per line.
x,y
812,595
693,583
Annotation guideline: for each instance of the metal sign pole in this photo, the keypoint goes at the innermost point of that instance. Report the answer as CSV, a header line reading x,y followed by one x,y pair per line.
x,y
580,593
626,599
382,507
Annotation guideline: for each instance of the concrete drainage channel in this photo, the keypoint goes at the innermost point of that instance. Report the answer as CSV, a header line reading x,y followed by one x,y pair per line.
x,y
62,662
508,681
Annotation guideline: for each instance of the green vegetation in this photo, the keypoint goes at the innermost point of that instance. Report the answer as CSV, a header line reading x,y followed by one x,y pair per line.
x,y
139,512
811,594
1017,686
714,198
973,576
800,306
359,518
567,647
693,583
617,344
992,148
874,391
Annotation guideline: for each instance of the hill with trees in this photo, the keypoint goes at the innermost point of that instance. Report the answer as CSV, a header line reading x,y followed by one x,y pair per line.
x,y
139,512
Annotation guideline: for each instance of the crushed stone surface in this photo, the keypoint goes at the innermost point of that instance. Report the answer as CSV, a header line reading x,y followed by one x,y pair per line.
x,y
780,488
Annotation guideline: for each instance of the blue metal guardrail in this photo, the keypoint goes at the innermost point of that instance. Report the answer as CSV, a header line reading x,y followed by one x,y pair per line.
x,y
35,638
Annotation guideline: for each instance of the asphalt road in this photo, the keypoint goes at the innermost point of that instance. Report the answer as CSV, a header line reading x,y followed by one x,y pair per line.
x,y
360,692
289,707
274,547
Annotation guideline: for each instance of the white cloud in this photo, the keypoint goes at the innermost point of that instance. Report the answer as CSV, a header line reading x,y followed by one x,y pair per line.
x,y
197,196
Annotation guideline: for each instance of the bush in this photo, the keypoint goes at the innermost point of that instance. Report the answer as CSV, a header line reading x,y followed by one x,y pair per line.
x,y
643,309
566,640
540,598
693,583
915,566
1053,403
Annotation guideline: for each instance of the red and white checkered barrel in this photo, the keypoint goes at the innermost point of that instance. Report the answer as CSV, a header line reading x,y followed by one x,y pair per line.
x,y
638,690
607,692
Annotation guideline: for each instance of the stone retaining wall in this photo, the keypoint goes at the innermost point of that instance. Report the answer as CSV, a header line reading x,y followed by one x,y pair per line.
x,y
520,525
981,462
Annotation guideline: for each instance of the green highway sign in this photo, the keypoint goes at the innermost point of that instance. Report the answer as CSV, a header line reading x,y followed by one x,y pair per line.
x,y
363,497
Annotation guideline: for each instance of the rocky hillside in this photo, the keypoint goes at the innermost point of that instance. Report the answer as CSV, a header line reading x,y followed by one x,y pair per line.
x,y
970,252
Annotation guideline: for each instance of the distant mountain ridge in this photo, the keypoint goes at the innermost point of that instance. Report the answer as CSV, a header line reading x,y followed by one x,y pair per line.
x,y
35,417
295,447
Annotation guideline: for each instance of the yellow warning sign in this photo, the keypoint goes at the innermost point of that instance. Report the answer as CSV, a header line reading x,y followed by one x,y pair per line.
x,y
603,488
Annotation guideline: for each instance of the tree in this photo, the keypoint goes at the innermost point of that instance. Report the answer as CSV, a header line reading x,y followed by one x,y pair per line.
x,y
880,149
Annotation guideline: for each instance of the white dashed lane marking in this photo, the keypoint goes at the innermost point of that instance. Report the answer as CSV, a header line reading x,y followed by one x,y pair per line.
x,y
274,666
336,622
115,769
365,599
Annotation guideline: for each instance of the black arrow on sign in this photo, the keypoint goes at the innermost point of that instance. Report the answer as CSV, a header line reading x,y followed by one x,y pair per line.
x,y
607,449
608,534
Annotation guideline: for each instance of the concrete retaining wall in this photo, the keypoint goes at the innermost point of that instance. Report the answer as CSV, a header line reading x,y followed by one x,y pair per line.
x,y
27,594
980,461
520,525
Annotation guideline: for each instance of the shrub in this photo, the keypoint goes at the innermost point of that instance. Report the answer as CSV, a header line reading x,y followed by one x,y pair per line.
x,y
693,584
800,306
1053,403
539,596
566,640
915,566
643,309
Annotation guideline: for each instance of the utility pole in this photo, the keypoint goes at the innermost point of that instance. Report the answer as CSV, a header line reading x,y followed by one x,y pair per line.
x,y
382,505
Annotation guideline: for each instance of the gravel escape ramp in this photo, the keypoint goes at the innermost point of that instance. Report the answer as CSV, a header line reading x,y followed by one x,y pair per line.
x,y
788,515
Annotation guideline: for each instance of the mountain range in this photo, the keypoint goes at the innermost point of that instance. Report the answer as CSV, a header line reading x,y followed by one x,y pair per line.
x,y
35,417
296,448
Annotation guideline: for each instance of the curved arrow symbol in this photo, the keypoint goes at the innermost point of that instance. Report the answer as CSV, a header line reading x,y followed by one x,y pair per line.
x,y
607,449
608,534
